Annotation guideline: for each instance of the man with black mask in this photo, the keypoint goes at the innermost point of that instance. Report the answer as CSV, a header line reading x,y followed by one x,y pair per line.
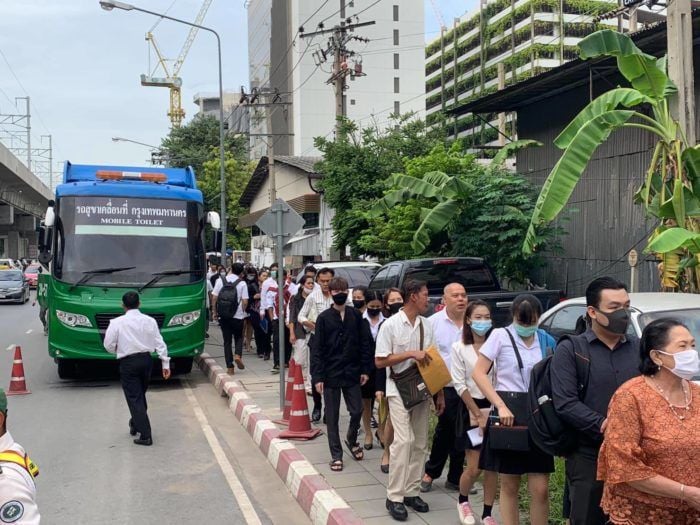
x,y
613,358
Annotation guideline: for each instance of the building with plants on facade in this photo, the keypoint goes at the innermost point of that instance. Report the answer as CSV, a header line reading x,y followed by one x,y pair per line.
x,y
502,43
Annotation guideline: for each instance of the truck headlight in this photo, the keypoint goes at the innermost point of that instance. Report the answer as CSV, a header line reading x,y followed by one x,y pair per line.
x,y
70,319
185,319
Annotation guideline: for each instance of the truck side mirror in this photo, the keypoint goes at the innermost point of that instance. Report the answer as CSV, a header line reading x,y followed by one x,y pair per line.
x,y
44,245
214,219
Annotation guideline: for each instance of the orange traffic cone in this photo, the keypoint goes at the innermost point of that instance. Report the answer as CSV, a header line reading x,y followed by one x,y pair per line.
x,y
299,421
17,383
288,394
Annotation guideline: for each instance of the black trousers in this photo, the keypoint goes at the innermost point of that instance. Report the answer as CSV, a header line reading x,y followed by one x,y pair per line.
x,y
262,340
318,399
135,373
276,343
444,442
231,329
353,402
585,491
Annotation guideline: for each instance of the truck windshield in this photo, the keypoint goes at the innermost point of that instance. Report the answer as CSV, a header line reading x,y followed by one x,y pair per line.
x,y
141,236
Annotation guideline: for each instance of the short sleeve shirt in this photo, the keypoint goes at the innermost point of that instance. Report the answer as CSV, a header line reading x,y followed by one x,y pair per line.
x,y
241,288
399,335
499,349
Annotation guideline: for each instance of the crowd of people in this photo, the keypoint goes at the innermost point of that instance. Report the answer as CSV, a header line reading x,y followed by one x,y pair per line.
x,y
636,413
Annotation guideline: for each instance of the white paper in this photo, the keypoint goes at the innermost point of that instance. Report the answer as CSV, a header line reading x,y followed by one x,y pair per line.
x,y
475,436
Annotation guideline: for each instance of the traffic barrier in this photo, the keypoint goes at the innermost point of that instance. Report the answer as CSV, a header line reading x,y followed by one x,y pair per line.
x,y
18,385
288,394
299,420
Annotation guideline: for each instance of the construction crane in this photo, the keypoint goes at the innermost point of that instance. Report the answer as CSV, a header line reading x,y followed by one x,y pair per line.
x,y
438,14
171,79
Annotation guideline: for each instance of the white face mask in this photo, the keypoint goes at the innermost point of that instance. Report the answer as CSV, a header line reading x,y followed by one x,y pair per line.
x,y
687,363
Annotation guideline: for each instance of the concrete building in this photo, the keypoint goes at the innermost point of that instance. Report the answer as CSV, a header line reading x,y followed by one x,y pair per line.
x,y
280,59
510,39
235,115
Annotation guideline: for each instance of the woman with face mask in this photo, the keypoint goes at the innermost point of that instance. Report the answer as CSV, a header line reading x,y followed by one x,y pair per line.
x,y
477,328
514,351
650,459
298,335
360,301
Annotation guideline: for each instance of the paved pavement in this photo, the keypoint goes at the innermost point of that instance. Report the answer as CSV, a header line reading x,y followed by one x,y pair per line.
x,y
91,472
361,483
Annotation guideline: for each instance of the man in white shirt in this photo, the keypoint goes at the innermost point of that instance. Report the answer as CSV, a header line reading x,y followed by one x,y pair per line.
x,y
231,316
17,473
447,326
309,271
399,347
270,281
132,337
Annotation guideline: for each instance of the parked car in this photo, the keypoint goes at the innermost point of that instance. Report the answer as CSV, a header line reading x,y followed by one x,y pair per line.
x,y
14,288
31,274
357,273
8,264
474,273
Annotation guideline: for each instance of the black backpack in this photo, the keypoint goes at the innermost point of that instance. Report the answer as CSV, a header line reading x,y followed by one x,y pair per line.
x,y
227,302
547,430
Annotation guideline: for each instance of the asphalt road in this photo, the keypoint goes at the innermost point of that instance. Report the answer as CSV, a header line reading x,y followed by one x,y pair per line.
x,y
202,468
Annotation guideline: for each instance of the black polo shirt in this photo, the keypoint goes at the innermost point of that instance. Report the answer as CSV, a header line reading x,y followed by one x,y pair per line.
x,y
608,370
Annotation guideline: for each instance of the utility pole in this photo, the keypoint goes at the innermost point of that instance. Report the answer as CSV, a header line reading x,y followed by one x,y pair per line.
x,y
680,66
337,48
29,133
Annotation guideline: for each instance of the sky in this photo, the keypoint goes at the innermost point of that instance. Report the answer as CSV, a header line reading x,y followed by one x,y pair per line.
x,y
81,66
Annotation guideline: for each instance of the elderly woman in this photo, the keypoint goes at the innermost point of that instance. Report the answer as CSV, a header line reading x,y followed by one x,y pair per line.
x,y
650,459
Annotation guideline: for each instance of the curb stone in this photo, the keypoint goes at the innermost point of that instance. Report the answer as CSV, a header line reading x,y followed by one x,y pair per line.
x,y
315,496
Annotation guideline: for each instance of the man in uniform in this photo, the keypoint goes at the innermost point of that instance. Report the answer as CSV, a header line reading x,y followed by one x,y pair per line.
x,y
17,473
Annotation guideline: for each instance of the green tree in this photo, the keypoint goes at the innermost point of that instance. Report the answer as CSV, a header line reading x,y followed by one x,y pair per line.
x,y
356,165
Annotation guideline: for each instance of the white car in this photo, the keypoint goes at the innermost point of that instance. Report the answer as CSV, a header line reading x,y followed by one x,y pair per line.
x,y
644,308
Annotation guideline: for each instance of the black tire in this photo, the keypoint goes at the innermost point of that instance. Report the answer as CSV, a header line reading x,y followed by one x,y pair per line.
x,y
182,365
66,368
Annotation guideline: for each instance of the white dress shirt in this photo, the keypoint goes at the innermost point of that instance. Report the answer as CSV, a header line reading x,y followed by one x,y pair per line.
x,y
17,488
134,333
398,335
374,325
499,349
241,290
463,361
447,332
263,293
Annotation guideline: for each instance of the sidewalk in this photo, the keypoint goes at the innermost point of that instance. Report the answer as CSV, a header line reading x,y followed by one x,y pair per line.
x,y
361,484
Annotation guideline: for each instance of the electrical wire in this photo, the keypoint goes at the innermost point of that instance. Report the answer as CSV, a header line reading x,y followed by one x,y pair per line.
x,y
367,8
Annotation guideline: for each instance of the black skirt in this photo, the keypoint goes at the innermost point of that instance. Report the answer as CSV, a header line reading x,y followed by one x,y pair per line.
x,y
368,389
462,441
535,461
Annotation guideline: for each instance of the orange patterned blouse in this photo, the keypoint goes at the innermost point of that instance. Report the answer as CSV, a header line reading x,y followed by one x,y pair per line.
x,y
644,438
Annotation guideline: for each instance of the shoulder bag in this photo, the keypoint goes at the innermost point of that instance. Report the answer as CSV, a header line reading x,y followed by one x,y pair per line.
x,y
410,384
515,438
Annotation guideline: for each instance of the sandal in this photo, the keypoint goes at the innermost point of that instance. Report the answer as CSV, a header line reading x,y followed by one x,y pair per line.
x,y
355,450
336,465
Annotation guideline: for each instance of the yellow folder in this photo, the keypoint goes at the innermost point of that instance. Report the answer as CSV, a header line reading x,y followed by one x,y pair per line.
x,y
434,371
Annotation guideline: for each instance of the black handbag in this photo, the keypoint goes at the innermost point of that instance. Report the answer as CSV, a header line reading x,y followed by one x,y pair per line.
x,y
410,384
515,438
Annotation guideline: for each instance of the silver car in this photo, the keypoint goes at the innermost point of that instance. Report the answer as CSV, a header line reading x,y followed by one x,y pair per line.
x,y
14,287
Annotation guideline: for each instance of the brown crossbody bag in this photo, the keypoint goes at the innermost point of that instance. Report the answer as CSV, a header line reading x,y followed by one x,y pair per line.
x,y
410,384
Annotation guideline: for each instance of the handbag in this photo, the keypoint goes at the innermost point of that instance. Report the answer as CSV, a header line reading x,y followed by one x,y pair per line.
x,y
515,438
410,384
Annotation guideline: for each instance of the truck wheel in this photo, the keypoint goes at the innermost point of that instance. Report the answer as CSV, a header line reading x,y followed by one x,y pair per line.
x,y
182,365
66,368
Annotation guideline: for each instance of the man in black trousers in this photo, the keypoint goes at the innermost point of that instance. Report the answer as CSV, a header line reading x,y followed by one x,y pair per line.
x,y
132,337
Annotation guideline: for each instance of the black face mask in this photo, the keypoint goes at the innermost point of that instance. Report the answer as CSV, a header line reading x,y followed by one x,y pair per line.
x,y
618,321
394,308
358,304
374,312
340,298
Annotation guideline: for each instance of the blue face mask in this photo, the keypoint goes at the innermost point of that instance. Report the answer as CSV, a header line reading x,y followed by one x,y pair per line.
x,y
525,331
480,327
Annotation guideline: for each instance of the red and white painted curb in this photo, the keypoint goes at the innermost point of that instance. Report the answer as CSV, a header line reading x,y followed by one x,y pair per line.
x,y
317,498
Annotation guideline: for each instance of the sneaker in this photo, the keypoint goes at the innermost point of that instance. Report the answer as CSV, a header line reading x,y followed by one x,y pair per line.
x,y
466,515
426,486
373,422
489,520
275,369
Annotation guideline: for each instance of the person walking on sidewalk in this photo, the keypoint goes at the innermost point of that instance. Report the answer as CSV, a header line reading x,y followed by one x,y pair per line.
x,y
340,363
401,344
447,326
230,301
298,335
132,337
280,352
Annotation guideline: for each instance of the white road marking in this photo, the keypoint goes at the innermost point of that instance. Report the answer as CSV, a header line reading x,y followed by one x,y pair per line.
x,y
29,331
251,517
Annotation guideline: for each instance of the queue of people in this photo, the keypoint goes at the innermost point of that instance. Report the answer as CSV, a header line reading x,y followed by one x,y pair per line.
x,y
636,414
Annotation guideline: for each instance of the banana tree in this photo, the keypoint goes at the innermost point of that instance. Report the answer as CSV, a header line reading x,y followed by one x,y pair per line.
x,y
670,189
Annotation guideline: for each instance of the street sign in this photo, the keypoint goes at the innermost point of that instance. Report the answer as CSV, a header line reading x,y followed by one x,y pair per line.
x,y
292,222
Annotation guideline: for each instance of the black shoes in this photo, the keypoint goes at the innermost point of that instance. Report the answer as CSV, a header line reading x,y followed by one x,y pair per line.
x,y
145,442
416,504
132,430
397,510
316,414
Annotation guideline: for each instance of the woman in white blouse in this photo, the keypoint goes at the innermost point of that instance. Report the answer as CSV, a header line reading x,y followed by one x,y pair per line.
x,y
477,327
